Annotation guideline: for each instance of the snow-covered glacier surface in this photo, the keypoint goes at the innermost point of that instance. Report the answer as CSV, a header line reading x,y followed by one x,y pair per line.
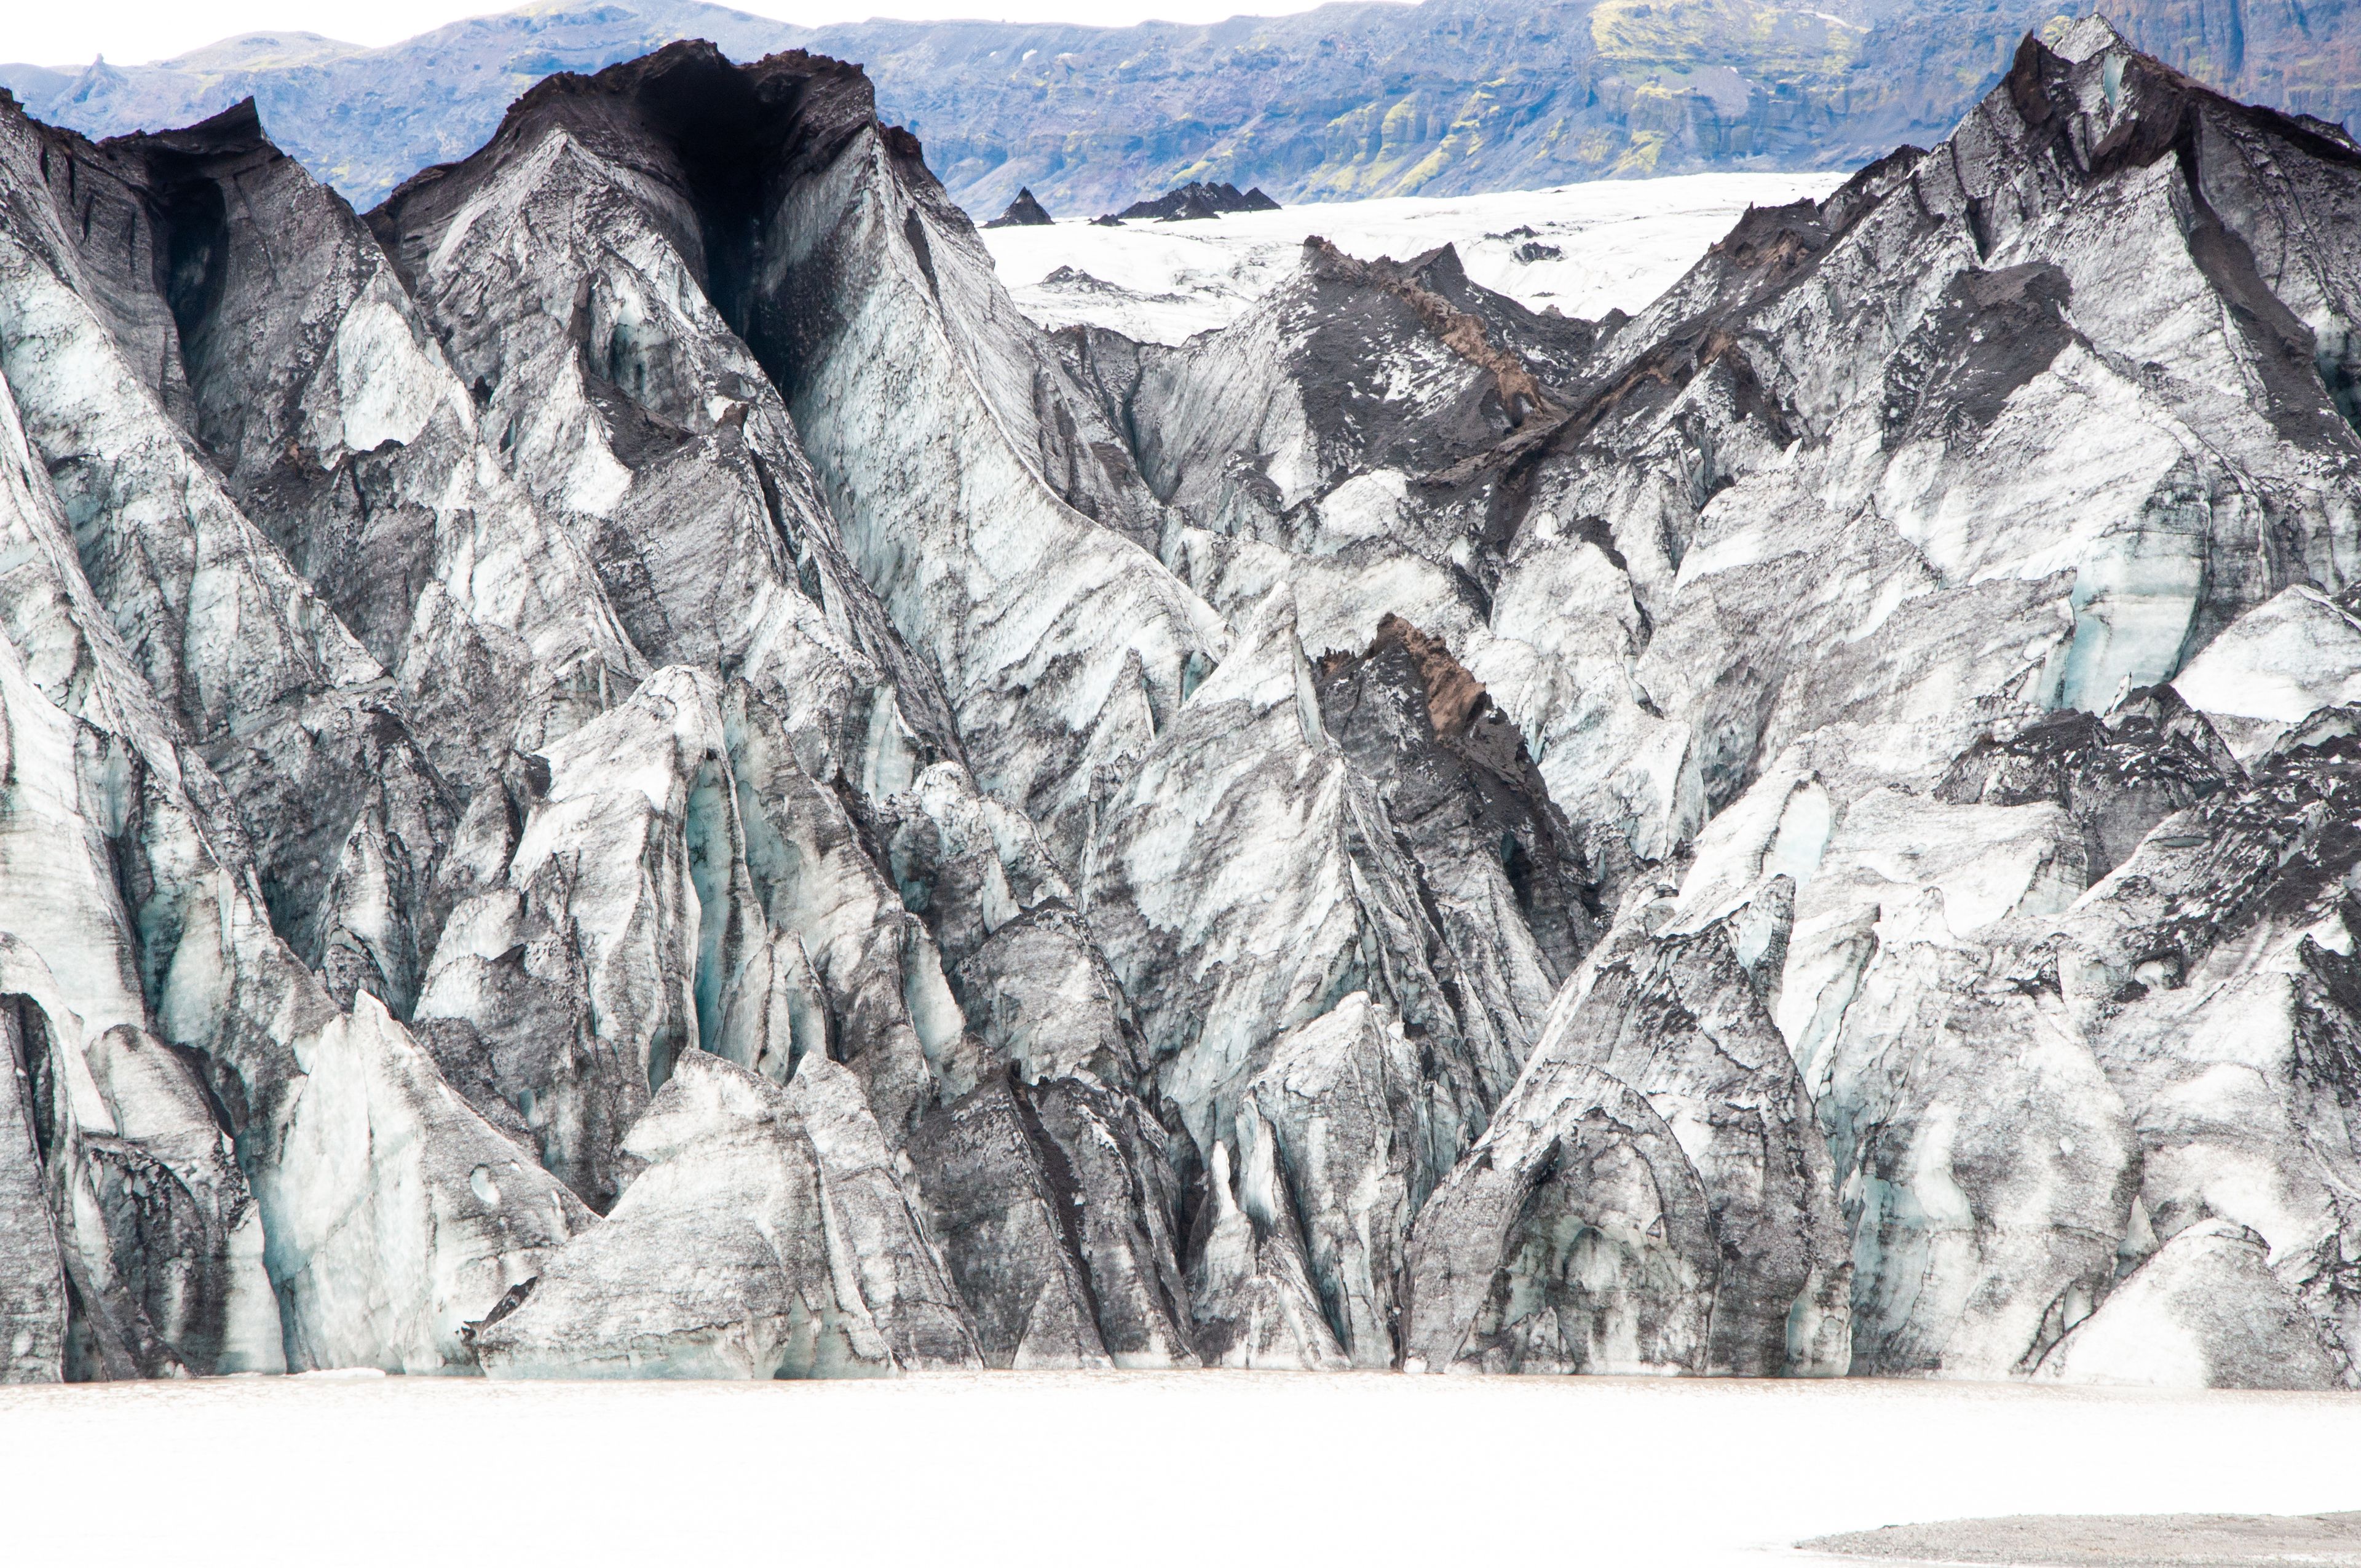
x,y
1051,1468
1586,249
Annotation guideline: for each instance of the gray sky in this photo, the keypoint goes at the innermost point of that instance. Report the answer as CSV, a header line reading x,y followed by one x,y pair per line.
x,y
60,32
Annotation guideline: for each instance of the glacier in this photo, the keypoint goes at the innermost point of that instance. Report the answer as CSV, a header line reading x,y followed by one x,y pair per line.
x,y
630,766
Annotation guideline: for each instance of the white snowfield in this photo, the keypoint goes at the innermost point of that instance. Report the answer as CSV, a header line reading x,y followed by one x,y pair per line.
x,y
1585,248
1049,1469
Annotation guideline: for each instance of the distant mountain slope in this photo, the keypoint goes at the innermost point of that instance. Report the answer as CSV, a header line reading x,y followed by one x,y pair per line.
x,y
364,120
1443,98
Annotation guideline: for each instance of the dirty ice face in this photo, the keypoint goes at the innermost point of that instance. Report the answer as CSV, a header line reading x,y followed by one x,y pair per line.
x,y
624,768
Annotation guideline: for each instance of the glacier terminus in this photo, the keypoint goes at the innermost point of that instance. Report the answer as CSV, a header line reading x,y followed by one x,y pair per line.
x,y
622,767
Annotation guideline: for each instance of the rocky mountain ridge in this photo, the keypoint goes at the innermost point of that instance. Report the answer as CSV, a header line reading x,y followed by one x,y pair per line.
x,y
620,769
1196,200
1024,211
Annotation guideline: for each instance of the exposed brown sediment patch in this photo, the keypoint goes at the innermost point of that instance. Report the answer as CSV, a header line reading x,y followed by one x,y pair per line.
x,y
1462,333
1455,697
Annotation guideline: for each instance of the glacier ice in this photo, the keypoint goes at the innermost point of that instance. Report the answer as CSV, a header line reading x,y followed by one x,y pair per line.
x,y
622,767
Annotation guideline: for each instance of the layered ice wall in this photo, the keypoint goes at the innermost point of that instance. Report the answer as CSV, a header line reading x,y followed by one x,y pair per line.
x,y
621,769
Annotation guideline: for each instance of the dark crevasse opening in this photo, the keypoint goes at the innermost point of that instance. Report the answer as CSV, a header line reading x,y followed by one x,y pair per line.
x,y
717,125
739,136
29,1026
193,241
2339,361
181,176
712,855
744,143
